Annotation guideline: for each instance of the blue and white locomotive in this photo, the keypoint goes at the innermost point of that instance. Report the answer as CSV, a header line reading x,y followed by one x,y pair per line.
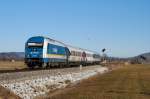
x,y
45,52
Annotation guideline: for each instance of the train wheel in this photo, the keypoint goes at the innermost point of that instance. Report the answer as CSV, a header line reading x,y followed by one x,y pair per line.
x,y
47,66
44,65
31,67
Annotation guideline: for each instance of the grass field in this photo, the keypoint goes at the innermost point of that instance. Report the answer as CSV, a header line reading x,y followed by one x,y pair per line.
x,y
7,65
129,82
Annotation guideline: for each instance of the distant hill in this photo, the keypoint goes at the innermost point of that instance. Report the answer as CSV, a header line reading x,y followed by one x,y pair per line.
x,y
139,59
146,56
11,56
143,58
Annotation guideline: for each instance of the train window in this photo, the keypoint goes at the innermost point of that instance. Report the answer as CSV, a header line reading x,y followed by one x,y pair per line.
x,y
89,55
72,53
96,56
54,49
35,44
78,53
75,53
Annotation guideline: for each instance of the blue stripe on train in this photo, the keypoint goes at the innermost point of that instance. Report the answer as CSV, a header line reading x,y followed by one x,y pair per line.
x,y
46,60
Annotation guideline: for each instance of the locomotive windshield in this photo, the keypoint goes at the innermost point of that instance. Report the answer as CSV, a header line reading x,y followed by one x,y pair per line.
x,y
35,44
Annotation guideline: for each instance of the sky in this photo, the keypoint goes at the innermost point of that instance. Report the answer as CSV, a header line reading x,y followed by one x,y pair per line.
x,y
120,26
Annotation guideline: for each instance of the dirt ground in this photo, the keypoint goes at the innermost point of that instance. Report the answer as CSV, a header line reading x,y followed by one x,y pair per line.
x,y
129,82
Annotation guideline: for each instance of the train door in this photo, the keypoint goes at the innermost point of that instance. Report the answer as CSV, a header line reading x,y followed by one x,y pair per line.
x,y
83,61
67,55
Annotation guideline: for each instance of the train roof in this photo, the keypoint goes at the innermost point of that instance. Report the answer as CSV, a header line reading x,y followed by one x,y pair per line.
x,y
66,45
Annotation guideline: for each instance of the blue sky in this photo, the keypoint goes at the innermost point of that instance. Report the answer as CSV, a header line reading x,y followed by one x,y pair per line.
x,y
120,26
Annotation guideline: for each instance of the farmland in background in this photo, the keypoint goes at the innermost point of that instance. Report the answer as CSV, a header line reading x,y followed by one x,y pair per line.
x,y
9,65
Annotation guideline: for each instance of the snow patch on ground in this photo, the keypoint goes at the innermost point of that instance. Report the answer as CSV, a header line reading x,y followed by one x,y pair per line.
x,y
28,89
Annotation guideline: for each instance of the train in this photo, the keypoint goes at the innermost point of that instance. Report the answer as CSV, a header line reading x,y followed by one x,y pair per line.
x,y
45,52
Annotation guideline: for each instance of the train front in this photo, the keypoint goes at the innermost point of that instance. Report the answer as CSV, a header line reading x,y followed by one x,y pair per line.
x,y
34,51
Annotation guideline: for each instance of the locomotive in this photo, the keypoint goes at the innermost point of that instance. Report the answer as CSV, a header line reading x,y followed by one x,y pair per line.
x,y
45,52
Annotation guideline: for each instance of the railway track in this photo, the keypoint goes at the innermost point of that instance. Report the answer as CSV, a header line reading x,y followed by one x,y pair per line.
x,y
29,84
25,74
28,69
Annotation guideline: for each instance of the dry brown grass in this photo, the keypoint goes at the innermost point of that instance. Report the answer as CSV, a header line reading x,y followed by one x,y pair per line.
x,y
4,66
130,82
7,65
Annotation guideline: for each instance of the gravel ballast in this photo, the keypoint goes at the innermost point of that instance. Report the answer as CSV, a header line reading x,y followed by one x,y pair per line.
x,y
29,86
